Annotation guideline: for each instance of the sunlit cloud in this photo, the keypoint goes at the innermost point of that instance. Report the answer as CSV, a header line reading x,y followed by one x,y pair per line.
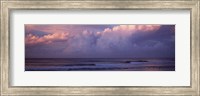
x,y
94,39
46,28
58,32
120,35
47,39
136,28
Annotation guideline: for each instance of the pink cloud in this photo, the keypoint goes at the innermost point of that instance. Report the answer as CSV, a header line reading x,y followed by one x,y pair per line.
x,y
133,28
117,34
47,39
120,34
46,28
126,30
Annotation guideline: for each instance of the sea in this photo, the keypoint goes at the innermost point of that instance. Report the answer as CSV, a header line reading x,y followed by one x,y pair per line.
x,y
99,64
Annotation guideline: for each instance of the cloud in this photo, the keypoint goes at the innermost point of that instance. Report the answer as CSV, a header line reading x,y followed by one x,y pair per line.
x,y
58,32
46,28
109,41
87,41
136,28
120,35
46,39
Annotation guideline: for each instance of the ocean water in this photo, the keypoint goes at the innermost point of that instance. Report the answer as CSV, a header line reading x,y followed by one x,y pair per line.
x,y
98,64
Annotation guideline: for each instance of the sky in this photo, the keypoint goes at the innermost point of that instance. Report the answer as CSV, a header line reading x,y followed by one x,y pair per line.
x,y
99,41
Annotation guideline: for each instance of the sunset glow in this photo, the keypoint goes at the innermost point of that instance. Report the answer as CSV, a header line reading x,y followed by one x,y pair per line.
x,y
98,41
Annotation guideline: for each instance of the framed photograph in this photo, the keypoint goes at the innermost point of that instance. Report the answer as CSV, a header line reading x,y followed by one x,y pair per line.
x,y
91,47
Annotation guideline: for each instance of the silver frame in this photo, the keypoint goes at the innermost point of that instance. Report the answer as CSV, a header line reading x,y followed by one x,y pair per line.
x,y
8,5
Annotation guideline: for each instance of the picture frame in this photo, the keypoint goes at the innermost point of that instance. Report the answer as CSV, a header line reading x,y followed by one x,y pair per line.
x,y
7,6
